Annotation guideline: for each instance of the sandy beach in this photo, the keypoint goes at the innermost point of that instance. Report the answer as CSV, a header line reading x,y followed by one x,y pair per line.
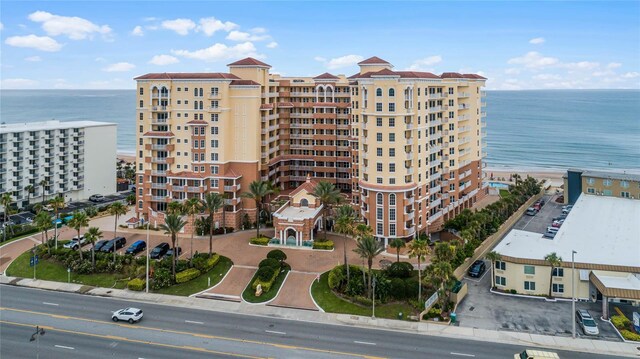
x,y
127,157
553,176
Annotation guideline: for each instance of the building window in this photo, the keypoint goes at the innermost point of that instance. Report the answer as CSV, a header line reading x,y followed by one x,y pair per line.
x,y
392,229
392,199
214,130
214,117
379,137
378,92
624,194
392,92
379,213
392,214
624,184
392,167
141,104
591,181
379,152
392,107
558,288
529,285
378,180
379,121
379,167
214,170
558,272
379,229
392,181
392,137
529,270
392,122
379,199
501,281
501,265
606,182
591,190
378,106
392,152
214,143
214,183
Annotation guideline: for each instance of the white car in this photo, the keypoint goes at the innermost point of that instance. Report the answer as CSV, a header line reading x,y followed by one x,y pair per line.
x,y
75,243
130,315
96,198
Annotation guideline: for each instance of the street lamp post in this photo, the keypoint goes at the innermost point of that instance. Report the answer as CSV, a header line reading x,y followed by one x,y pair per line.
x,y
36,336
573,293
373,313
147,281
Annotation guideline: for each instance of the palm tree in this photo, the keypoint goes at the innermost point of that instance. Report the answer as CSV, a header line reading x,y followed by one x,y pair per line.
x,y
345,226
257,191
79,220
57,203
175,207
397,244
211,204
361,231
368,248
493,256
30,189
419,248
172,225
42,221
328,195
554,261
43,184
92,235
441,273
6,201
192,206
117,209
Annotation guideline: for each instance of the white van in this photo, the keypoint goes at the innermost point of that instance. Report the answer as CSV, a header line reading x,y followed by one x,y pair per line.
x,y
535,354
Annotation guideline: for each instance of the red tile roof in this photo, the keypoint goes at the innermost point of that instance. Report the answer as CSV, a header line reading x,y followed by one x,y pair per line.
x,y
158,134
186,174
186,76
384,72
309,185
374,61
474,76
451,75
417,75
198,122
249,61
326,76
266,106
231,174
133,220
244,83
285,104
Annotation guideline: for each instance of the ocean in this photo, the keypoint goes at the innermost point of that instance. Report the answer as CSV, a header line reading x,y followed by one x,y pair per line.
x,y
540,130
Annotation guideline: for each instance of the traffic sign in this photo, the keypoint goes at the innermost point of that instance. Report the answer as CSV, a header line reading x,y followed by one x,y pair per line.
x,y
31,261
36,258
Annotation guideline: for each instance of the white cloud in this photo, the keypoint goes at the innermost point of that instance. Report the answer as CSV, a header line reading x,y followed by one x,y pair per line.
x,y
137,31
210,25
245,36
512,71
614,65
119,67
422,64
33,58
340,62
1,26
76,28
547,77
219,51
582,65
537,40
42,43
180,26
18,83
100,59
272,45
534,60
162,60
631,75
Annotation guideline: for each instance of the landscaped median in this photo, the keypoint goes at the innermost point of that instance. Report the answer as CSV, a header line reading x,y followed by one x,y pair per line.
x,y
270,275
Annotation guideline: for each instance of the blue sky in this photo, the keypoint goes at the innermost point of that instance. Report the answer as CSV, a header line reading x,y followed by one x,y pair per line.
x,y
517,45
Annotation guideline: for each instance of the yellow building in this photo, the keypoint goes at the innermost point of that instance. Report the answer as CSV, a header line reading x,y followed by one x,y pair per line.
x,y
600,183
407,147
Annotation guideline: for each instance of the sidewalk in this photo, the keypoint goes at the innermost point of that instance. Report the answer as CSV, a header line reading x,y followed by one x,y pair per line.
x,y
522,339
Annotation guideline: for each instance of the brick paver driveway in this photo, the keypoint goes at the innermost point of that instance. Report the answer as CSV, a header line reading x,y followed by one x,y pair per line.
x,y
295,292
232,285
11,251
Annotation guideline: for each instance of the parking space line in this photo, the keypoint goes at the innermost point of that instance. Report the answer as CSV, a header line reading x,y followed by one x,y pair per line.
x,y
462,354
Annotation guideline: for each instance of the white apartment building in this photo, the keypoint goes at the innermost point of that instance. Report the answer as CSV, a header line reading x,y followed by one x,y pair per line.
x,y
76,159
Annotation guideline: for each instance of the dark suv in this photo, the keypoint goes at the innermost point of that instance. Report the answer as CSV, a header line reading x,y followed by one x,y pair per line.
x,y
118,242
477,268
136,247
160,250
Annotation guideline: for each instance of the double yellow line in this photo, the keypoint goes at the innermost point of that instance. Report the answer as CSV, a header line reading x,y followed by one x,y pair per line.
x,y
198,335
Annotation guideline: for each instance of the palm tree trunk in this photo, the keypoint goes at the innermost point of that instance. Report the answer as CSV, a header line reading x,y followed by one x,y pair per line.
x,y
345,259
211,237
325,224
173,258
93,255
364,277
398,254
258,221
79,245
551,282
193,228
419,281
369,263
224,219
493,275
115,229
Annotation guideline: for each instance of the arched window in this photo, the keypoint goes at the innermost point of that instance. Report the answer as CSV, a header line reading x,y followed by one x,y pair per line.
x,y
304,203
392,92
379,199
201,105
195,105
379,92
392,199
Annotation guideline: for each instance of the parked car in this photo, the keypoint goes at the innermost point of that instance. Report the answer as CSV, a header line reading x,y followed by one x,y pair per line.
x,y
160,250
118,242
477,268
136,247
549,234
536,354
556,224
552,229
568,206
96,198
75,243
170,252
531,211
537,206
587,323
130,315
100,244
540,201
560,199
560,217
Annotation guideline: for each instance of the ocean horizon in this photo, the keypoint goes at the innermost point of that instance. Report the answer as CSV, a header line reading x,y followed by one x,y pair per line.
x,y
539,130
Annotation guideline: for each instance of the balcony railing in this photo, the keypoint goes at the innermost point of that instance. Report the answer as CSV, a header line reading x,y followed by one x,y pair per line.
x,y
159,173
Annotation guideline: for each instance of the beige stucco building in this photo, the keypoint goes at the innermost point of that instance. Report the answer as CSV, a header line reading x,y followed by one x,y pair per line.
x,y
406,147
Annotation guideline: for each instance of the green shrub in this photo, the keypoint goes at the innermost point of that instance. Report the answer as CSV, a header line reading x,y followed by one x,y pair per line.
x,y
336,278
355,286
328,245
262,241
270,262
629,335
265,273
362,300
411,288
187,275
620,321
136,284
398,288
161,278
400,270
513,291
278,255
204,264
265,283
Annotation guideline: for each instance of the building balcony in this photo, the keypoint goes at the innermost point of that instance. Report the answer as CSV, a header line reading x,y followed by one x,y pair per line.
x,y
435,109
175,188
232,201
159,121
463,94
159,147
158,198
196,189
435,189
435,96
436,203
213,95
463,107
160,108
158,173
435,149
235,188
409,231
159,160
159,185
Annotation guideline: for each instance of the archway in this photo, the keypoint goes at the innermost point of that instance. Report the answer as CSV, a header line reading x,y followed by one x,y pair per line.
x,y
291,236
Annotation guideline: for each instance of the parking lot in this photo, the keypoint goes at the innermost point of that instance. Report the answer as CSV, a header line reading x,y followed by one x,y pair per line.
x,y
485,310
542,219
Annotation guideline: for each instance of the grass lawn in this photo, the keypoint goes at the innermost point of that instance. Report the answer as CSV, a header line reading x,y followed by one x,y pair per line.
x,y
504,193
50,270
250,295
202,282
331,303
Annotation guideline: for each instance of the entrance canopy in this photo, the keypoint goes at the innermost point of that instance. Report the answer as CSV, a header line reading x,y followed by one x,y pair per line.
x,y
616,285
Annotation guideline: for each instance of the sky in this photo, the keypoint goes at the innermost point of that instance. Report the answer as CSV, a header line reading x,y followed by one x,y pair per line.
x,y
516,45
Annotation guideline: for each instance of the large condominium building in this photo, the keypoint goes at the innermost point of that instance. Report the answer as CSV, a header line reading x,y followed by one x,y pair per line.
x,y
74,159
406,147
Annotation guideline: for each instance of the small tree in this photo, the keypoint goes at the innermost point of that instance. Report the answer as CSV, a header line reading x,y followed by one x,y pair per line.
x,y
554,261
278,255
93,235
419,248
398,244
43,184
345,226
493,256
172,225
192,206
258,190
78,221
57,203
328,195
30,190
117,209
211,204
368,248
42,221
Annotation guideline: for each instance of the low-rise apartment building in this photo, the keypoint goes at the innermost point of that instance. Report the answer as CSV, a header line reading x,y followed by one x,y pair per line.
x,y
405,147
600,183
75,159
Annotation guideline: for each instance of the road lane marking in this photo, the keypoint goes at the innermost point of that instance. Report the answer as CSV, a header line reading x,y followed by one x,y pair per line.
x,y
64,347
462,354
207,336
192,322
365,343
47,303
275,332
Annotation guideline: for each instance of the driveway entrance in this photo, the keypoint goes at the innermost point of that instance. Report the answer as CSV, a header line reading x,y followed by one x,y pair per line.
x,y
232,285
295,292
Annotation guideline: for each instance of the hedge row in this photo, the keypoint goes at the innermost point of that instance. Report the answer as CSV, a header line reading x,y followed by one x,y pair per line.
x,y
266,284
136,284
187,275
323,245
262,241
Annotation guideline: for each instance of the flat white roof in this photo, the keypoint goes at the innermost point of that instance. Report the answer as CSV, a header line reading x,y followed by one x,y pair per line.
x,y
298,213
627,282
50,125
603,230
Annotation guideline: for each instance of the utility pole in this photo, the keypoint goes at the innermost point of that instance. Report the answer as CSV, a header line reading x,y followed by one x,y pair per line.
x,y
373,313
147,281
573,293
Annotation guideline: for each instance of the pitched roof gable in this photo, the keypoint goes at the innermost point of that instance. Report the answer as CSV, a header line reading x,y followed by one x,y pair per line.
x,y
374,61
249,61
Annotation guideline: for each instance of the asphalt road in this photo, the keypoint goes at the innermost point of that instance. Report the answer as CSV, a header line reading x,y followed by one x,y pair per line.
x,y
83,323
